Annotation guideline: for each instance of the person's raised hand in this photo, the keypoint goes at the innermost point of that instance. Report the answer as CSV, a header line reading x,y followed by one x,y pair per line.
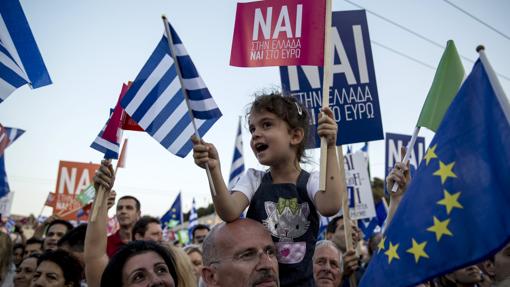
x,y
204,153
327,126
400,175
105,176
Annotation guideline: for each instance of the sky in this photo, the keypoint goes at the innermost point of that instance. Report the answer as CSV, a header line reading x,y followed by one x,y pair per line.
x,y
91,47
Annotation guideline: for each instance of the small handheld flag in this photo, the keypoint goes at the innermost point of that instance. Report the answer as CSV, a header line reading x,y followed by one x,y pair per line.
x,y
193,219
237,168
173,216
446,83
8,136
156,99
108,139
20,59
4,184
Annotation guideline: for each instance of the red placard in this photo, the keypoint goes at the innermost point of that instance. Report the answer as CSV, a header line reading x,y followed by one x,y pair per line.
x,y
73,177
279,33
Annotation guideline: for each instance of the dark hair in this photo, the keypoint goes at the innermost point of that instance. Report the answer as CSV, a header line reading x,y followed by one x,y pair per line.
x,y
112,275
70,266
289,110
140,226
18,246
332,225
138,206
199,226
75,238
66,223
34,240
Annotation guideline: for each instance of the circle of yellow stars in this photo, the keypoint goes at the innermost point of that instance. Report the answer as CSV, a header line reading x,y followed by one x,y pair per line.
x,y
439,227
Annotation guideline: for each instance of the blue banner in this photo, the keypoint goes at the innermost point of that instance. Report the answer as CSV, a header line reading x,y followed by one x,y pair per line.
x,y
353,96
393,144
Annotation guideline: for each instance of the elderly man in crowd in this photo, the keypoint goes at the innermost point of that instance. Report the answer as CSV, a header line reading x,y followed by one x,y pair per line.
x,y
241,254
327,264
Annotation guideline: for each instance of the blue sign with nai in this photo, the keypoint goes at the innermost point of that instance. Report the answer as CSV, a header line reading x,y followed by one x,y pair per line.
x,y
353,95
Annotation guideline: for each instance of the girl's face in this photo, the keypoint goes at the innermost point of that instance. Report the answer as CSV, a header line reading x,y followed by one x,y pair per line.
x,y
272,141
146,269
48,274
24,272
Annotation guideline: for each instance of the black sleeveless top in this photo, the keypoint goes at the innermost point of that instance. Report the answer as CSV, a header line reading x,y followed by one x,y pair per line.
x,y
291,218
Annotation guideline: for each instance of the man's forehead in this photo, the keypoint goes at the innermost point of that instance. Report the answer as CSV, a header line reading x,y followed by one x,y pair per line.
x,y
327,251
126,202
57,226
245,237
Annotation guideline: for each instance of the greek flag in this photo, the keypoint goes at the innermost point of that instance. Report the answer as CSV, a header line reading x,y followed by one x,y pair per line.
x,y
8,136
110,149
20,59
193,219
156,99
237,168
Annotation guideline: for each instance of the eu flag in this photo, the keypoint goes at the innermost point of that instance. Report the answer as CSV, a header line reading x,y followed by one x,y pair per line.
x,y
455,211
173,216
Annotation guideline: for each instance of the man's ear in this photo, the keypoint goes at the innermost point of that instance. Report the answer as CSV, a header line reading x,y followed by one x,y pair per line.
x,y
138,237
209,276
329,236
297,135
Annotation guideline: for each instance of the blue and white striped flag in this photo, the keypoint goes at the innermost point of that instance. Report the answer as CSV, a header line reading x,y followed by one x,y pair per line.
x,y
8,136
157,103
4,184
237,168
193,219
20,59
110,149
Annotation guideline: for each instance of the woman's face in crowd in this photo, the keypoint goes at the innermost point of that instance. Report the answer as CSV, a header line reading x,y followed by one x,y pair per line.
x,y
48,274
146,269
196,260
25,272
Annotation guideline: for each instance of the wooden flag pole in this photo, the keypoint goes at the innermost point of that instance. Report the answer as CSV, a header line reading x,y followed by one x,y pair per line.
x,y
410,147
179,74
325,91
345,210
97,203
42,209
496,85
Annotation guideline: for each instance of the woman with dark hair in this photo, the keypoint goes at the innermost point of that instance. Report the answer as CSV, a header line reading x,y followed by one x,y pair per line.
x,y
57,269
140,263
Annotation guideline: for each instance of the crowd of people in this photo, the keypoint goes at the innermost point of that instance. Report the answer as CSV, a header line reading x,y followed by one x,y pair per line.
x,y
275,245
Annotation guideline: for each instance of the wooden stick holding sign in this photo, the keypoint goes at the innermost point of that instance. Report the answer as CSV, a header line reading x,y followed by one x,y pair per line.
x,y
97,203
327,79
345,212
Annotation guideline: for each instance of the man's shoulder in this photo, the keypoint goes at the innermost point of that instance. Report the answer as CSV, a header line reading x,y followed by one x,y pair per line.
x,y
114,237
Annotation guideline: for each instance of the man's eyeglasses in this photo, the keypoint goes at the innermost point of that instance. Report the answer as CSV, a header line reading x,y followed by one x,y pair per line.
x,y
250,255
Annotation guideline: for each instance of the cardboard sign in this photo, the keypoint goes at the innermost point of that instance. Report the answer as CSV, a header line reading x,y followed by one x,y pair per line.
x,y
353,96
72,178
279,33
359,189
393,144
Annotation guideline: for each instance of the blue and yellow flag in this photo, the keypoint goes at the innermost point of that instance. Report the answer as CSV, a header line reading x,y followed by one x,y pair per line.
x,y
173,216
455,211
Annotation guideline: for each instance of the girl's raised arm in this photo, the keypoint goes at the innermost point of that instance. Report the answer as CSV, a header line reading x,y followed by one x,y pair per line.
x,y
228,205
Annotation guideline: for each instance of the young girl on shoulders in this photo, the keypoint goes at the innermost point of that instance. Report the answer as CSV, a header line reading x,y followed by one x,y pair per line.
x,y
285,198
